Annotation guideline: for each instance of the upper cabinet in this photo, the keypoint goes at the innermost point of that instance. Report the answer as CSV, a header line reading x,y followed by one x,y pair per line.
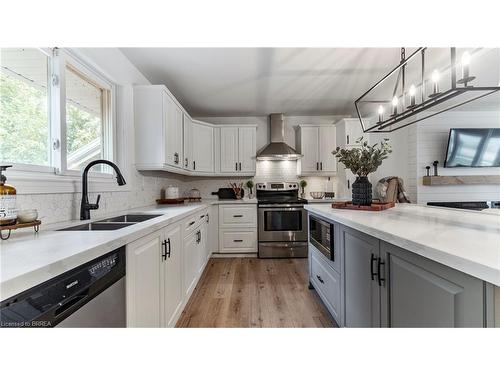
x,y
349,130
168,139
316,143
202,147
158,129
237,149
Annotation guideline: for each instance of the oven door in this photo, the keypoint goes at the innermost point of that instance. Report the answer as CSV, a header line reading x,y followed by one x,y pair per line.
x,y
282,223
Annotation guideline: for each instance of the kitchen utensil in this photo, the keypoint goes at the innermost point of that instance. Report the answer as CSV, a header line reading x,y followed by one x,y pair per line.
x,y
317,194
227,193
237,188
27,216
329,195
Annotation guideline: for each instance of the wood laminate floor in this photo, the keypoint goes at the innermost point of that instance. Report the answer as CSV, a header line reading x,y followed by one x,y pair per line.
x,y
252,292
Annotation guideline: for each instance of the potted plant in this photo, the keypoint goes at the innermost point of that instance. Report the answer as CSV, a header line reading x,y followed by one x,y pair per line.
x,y
250,187
362,161
303,184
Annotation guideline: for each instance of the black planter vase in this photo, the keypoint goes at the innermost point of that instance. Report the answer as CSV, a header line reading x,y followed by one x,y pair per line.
x,y
362,191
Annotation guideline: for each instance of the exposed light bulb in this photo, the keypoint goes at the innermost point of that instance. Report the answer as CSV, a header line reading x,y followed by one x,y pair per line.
x,y
413,90
380,113
395,105
435,76
466,58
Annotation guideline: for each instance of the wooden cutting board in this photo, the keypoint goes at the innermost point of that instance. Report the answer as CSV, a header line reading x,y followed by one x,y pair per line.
x,y
375,206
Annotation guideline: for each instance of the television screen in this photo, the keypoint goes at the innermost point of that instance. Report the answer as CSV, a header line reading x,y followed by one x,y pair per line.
x,y
473,148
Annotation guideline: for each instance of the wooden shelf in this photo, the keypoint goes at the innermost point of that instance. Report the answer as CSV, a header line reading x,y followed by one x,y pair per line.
x,y
461,180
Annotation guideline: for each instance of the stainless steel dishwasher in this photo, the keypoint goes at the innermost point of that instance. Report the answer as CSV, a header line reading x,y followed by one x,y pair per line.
x,y
91,295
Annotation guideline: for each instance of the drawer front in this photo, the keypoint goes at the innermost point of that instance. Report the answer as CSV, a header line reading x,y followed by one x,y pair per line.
x,y
241,215
238,241
327,283
195,221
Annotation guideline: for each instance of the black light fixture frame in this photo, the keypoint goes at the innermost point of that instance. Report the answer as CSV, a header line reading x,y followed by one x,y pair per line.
x,y
386,126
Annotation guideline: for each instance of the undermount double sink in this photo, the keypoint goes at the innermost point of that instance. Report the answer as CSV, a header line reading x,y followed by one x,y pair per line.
x,y
114,223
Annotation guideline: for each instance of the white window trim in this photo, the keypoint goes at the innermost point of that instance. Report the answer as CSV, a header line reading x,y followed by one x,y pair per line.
x,y
37,179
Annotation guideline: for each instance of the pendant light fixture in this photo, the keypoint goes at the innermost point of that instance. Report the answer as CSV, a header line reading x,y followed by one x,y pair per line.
x,y
438,87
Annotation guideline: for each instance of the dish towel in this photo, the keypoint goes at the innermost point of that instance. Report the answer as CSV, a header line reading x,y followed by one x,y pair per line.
x,y
391,189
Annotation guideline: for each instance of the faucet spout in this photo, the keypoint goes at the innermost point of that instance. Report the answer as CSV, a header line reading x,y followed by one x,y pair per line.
x,y
85,206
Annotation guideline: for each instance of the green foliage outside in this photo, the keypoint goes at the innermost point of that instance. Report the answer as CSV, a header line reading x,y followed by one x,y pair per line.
x,y
24,128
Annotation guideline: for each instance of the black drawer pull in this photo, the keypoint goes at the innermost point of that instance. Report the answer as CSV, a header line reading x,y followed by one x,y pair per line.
x,y
320,279
191,223
372,260
237,240
379,272
237,215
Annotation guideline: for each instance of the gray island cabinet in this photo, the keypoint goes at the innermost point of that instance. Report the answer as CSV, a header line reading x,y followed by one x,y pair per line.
x,y
381,285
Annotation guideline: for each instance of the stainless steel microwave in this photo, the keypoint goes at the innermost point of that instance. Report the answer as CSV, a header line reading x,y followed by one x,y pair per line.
x,y
321,236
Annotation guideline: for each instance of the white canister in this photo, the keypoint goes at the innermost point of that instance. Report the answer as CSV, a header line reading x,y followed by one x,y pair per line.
x,y
172,192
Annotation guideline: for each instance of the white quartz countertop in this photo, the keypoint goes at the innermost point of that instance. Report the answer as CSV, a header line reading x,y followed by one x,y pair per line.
x,y
28,259
468,241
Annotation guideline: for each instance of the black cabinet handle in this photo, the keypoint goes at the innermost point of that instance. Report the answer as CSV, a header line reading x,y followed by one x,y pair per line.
x,y
320,279
347,139
317,166
186,162
191,223
348,184
164,250
167,252
372,260
208,219
194,164
237,215
236,166
176,158
239,164
237,240
198,237
321,165
379,265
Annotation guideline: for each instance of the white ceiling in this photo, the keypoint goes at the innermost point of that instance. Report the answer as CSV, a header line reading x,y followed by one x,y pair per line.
x,y
259,81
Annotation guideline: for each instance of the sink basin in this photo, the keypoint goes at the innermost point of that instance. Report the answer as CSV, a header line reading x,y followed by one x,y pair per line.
x,y
97,226
130,218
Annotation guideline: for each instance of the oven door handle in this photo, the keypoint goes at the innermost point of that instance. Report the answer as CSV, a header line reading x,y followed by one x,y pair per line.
x,y
273,207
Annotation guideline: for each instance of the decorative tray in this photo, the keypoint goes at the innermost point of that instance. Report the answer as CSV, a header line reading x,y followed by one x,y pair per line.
x,y
375,206
170,200
35,224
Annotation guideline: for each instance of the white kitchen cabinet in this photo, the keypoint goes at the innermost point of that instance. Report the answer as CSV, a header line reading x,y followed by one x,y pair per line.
x,y
158,129
143,281
202,147
190,262
237,149
188,143
247,149
316,143
237,228
171,285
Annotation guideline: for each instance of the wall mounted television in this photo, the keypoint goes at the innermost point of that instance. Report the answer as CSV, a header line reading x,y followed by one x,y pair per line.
x,y
473,147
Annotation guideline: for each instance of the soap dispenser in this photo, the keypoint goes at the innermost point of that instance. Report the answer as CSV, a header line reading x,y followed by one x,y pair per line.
x,y
8,212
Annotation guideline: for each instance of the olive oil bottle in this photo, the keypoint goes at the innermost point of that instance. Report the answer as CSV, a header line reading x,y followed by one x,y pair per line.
x,y
8,212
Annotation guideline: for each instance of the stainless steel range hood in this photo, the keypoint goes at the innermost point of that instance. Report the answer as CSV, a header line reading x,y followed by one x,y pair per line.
x,y
278,149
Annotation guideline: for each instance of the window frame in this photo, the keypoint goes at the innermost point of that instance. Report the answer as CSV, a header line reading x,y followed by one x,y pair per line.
x,y
57,178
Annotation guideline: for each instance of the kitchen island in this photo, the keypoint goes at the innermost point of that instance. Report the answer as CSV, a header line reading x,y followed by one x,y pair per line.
x,y
410,266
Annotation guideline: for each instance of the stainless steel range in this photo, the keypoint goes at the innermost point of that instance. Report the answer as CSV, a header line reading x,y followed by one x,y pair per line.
x,y
282,220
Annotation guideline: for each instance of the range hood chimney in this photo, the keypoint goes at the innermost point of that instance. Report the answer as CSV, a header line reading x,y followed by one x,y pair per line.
x,y
278,149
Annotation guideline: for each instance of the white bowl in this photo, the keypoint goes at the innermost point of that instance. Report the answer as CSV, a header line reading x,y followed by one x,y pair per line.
x,y
27,216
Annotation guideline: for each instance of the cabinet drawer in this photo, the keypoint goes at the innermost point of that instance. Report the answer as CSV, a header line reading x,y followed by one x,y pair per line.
x,y
327,283
239,215
194,221
238,241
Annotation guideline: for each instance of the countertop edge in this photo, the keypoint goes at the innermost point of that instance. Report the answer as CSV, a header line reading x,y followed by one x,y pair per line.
x,y
480,271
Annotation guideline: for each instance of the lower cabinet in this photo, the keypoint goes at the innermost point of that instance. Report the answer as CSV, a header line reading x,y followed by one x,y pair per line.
x,y
387,286
326,282
362,293
162,271
237,228
143,281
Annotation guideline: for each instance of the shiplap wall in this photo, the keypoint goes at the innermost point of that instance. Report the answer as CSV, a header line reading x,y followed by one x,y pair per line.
x,y
431,141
